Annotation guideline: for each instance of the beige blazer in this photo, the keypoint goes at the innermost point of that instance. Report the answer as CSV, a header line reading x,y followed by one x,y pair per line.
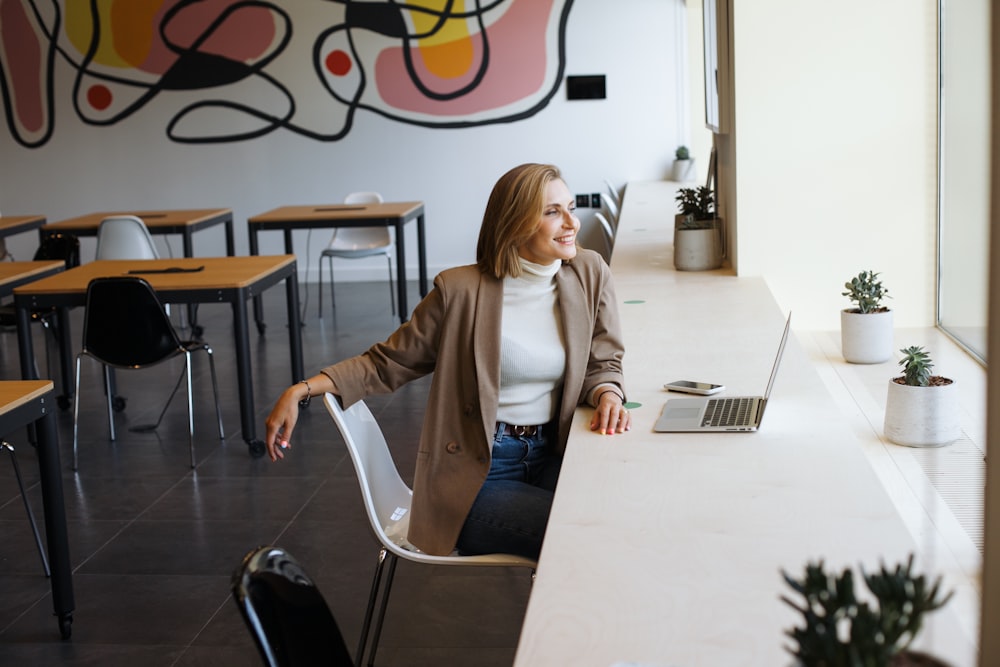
x,y
454,333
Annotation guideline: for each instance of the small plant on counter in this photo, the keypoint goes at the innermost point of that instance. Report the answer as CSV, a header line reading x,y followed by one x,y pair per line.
x,y
682,153
917,365
697,208
842,631
867,292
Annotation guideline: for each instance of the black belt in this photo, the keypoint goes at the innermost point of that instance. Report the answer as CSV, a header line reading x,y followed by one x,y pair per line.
x,y
518,430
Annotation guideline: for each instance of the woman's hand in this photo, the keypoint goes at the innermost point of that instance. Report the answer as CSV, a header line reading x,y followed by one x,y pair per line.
x,y
610,416
281,422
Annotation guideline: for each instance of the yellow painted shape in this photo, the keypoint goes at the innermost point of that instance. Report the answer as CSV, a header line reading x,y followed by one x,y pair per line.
x,y
126,30
448,53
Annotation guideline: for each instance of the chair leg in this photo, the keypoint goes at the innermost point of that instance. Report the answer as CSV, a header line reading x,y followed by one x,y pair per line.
x,y
369,611
382,606
76,412
319,304
31,516
215,389
392,292
109,390
187,369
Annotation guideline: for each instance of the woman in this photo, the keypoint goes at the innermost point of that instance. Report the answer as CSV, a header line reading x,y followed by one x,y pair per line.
x,y
515,342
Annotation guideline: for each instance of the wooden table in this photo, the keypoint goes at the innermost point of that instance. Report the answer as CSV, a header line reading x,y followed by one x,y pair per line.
x,y
667,548
386,214
179,221
15,224
232,280
24,403
14,274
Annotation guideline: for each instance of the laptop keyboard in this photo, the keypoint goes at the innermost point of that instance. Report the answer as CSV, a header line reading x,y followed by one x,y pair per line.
x,y
728,412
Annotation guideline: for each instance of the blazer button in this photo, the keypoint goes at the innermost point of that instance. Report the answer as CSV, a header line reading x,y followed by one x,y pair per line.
x,y
453,447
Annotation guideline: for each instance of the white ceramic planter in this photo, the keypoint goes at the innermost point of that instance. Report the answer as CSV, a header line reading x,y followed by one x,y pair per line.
x,y
922,416
683,171
866,338
697,249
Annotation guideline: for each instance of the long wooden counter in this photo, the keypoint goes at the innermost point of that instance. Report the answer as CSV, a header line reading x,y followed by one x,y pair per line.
x,y
667,549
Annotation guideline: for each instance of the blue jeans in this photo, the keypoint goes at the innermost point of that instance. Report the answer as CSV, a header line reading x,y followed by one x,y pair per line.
x,y
512,509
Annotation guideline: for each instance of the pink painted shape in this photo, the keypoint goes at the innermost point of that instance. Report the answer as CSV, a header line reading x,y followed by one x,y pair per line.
x,y
246,35
518,54
24,62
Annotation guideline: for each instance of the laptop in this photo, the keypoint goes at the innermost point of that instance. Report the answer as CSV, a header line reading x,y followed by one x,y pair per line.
x,y
722,413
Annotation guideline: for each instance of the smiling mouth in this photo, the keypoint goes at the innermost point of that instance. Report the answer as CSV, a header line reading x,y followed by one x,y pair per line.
x,y
566,239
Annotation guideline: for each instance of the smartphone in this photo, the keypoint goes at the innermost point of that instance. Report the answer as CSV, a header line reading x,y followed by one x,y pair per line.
x,y
688,387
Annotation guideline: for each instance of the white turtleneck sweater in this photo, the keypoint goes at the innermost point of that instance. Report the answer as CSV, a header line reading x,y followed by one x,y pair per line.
x,y
532,349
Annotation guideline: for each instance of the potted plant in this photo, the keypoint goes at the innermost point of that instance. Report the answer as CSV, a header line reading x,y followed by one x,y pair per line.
x,y
697,231
866,328
841,630
921,410
683,170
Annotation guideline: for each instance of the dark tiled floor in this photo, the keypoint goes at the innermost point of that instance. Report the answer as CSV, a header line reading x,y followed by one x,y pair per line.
x,y
153,542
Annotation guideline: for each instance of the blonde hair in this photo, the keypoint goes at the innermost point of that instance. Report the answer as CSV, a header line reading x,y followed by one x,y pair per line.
x,y
512,216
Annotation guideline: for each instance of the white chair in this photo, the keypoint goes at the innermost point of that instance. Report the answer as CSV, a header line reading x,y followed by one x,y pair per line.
x,y
613,191
609,234
387,503
124,237
357,242
612,210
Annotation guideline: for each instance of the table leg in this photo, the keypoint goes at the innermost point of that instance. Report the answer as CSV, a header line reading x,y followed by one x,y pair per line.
x,y
66,369
258,303
26,352
230,239
404,310
50,471
25,346
244,376
422,254
294,325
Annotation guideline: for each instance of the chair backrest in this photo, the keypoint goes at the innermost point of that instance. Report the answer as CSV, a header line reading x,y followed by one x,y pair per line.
x,y
125,325
363,197
60,246
612,209
125,237
613,192
361,238
285,612
386,496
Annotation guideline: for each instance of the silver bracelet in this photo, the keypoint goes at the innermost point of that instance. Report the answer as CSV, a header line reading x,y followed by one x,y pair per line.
x,y
304,403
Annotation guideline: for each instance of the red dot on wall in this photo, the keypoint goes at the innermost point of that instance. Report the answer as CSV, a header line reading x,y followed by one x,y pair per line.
x,y
99,97
338,62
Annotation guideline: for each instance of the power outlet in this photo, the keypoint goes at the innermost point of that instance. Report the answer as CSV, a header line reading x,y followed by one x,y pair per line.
x,y
595,200
582,201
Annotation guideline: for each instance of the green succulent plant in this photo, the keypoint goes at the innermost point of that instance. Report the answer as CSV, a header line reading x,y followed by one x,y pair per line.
x,y
916,365
682,153
842,631
867,291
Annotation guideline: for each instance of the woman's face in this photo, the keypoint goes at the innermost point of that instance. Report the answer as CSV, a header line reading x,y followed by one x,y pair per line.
x,y
555,238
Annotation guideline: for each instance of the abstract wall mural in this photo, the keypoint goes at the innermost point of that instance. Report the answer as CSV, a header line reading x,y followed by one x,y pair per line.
x,y
233,70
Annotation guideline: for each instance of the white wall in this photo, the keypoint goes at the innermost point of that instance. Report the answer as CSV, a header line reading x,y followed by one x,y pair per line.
x,y
834,152
630,135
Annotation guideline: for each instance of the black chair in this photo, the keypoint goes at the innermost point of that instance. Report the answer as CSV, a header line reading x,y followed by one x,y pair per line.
x,y
286,614
125,327
31,515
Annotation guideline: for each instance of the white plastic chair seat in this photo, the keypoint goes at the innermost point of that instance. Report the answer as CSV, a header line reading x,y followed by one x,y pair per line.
x,y
359,242
355,243
387,501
